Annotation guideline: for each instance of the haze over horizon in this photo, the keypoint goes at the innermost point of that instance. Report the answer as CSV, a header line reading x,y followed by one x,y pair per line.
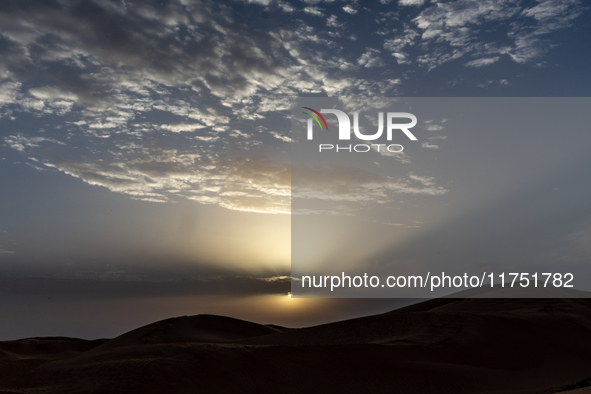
x,y
145,149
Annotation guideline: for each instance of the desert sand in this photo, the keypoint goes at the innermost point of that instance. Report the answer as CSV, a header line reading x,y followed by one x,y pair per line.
x,y
437,346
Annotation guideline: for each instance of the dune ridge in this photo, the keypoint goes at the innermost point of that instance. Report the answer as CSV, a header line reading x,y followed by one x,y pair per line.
x,y
437,346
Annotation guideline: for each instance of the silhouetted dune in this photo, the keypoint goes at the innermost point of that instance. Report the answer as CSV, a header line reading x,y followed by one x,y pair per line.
x,y
437,320
521,306
201,328
437,346
279,328
46,348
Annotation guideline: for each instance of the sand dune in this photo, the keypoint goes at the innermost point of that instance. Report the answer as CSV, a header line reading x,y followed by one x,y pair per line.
x,y
201,328
50,348
437,346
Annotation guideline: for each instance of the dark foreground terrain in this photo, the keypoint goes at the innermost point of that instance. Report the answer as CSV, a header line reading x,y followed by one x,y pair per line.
x,y
438,346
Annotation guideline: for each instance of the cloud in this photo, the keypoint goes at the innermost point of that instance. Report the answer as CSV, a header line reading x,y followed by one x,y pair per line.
x,y
483,62
550,10
285,7
313,11
52,93
122,48
192,67
278,278
21,142
331,21
371,59
156,95
124,283
281,137
349,10
9,92
399,156
433,127
396,45
429,145
411,2
198,60
261,2
180,127
248,184
454,29
339,183
427,181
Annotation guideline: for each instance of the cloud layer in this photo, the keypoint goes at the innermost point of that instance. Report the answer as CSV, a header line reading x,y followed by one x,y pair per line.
x,y
188,98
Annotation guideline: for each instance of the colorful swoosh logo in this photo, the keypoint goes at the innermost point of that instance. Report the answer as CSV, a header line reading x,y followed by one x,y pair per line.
x,y
315,118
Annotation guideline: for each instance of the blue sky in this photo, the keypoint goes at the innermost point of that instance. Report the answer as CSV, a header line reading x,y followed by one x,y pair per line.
x,y
149,141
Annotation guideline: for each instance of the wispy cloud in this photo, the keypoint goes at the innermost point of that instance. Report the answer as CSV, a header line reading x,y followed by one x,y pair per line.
x,y
180,127
313,11
452,30
429,145
483,62
411,2
338,183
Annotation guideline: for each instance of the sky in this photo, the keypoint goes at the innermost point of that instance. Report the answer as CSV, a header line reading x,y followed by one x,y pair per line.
x,y
499,184
145,149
